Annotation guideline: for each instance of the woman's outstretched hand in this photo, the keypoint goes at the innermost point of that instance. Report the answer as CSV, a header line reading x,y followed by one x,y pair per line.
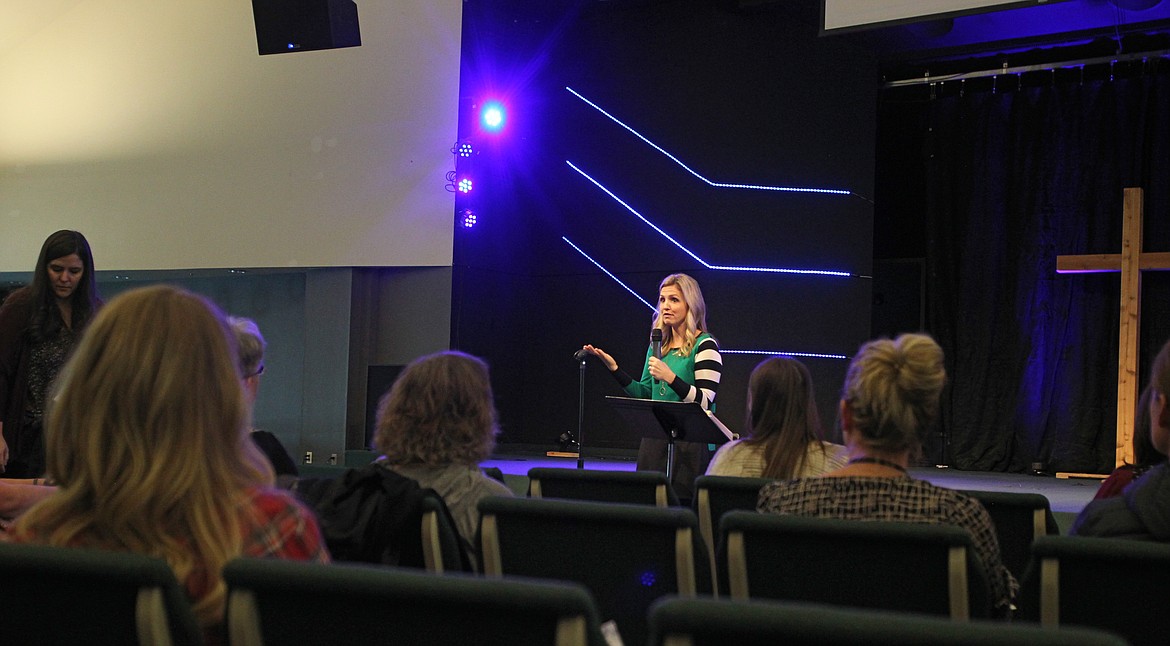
x,y
610,364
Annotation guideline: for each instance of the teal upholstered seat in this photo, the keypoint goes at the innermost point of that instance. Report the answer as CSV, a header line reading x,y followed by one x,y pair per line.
x,y
910,567
626,555
1108,583
60,595
273,602
634,487
710,622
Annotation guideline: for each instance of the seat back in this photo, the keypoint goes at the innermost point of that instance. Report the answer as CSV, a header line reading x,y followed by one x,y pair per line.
x,y
633,487
1109,583
1019,518
715,496
710,622
286,602
374,515
442,547
909,567
59,595
626,555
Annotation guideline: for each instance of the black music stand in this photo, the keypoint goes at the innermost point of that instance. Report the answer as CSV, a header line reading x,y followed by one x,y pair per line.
x,y
676,421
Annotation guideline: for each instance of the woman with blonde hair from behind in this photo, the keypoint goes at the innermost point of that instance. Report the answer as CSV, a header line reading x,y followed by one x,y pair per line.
x,y
783,440
888,404
147,439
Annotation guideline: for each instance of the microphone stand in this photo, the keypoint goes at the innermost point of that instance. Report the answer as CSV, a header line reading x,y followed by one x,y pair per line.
x,y
581,416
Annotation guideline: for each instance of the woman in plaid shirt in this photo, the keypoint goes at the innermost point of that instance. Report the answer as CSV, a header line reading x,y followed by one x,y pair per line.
x,y
148,444
890,399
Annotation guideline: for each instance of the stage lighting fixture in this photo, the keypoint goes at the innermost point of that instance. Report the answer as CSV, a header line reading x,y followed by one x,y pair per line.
x,y
467,218
465,185
492,116
464,149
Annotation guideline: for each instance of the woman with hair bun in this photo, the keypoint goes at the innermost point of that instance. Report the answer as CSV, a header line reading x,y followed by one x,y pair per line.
x,y
888,404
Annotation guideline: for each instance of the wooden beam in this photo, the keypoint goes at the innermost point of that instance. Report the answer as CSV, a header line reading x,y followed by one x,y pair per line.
x,y
1096,263
1131,317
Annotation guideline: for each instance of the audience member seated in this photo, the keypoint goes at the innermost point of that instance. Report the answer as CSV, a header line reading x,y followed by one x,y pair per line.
x,y
147,440
1145,455
435,425
1142,511
784,439
17,495
251,346
890,400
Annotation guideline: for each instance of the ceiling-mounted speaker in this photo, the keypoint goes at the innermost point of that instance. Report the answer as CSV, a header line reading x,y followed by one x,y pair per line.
x,y
284,26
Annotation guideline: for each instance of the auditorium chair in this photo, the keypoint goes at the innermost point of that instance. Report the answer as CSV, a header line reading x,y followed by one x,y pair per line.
x,y
626,555
273,602
1019,518
1108,583
442,547
711,622
715,496
62,595
634,487
909,567
374,515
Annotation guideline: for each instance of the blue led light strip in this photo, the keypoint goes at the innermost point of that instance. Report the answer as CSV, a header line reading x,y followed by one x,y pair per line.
x,y
608,273
787,189
769,353
770,270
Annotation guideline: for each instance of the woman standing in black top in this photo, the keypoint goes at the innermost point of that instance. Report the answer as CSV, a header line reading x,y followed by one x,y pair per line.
x,y
39,326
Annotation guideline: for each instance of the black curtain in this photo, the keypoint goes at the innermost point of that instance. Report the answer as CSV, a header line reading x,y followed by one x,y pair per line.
x,y
1013,176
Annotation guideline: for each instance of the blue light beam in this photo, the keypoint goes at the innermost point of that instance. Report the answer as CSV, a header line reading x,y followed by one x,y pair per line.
x,y
755,187
610,274
769,270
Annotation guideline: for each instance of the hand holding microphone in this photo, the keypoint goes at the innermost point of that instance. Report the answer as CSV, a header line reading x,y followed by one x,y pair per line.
x,y
655,350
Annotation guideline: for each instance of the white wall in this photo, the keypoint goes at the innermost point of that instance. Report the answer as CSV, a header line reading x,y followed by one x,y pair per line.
x,y
155,128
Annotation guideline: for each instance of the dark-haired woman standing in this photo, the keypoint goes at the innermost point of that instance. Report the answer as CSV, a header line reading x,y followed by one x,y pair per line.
x,y
39,326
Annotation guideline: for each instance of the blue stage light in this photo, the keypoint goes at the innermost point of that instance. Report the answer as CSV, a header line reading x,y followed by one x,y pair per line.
x,y
467,218
465,185
493,116
465,149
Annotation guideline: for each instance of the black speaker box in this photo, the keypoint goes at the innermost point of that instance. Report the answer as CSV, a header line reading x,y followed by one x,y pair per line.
x,y
284,26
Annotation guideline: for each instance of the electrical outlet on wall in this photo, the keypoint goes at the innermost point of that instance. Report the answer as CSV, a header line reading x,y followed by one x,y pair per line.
x,y
308,457
332,458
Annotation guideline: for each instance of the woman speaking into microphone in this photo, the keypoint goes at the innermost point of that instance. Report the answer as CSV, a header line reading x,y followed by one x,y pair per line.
x,y
686,367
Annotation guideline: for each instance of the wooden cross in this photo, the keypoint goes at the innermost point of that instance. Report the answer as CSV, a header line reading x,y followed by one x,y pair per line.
x,y
1130,262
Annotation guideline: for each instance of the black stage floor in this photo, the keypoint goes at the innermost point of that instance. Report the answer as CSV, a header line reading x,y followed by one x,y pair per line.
x,y
1066,495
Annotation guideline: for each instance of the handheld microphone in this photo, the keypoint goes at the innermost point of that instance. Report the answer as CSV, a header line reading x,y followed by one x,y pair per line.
x,y
656,344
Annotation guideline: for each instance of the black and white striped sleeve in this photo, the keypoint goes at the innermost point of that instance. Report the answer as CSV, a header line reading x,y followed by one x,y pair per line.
x,y
708,370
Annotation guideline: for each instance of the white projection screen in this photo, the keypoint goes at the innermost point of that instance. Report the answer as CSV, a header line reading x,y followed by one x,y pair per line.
x,y
857,14
157,129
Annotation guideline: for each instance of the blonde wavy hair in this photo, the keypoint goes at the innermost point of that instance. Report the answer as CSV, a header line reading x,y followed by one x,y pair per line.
x,y
696,322
147,440
892,389
438,412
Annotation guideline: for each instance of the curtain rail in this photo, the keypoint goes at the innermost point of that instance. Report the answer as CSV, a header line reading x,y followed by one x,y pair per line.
x,y
1020,69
